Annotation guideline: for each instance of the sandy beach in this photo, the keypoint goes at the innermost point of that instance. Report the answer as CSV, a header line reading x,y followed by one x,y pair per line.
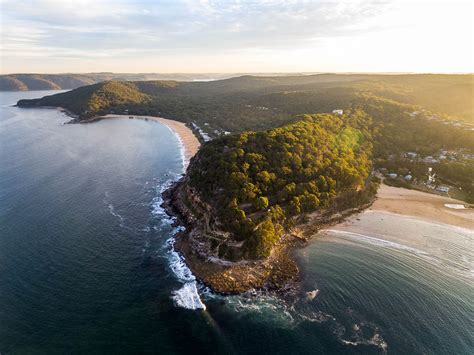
x,y
422,205
415,221
186,136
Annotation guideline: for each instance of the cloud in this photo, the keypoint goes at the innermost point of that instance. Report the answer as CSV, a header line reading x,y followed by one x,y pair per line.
x,y
111,25
160,29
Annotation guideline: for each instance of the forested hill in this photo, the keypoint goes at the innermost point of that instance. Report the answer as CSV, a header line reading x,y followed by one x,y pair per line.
x,y
281,163
67,81
24,82
257,183
257,102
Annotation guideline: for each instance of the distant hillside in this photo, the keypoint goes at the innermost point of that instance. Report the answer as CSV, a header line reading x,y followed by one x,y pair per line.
x,y
90,100
24,82
262,102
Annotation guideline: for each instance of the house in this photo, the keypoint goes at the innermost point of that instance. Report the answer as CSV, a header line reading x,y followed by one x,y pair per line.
x,y
338,112
411,155
429,159
392,176
205,137
442,188
408,177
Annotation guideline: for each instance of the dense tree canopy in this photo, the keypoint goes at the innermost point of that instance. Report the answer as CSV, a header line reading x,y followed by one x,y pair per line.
x,y
257,181
282,163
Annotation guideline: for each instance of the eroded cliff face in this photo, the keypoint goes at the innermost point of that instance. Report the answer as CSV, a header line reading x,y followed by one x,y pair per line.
x,y
202,239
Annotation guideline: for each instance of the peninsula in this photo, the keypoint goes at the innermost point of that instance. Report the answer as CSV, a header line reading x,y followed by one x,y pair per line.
x,y
282,157
248,199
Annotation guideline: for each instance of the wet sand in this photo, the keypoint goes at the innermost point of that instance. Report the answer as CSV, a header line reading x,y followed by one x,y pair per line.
x,y
414,221
188,139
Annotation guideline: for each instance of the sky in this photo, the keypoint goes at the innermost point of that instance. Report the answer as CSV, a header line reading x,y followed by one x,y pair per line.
x,y
246,36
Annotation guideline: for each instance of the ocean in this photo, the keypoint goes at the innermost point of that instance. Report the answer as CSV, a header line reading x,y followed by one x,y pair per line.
x,y
87,263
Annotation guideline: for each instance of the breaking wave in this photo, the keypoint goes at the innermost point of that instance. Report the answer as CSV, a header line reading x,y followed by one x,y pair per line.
x,y
376,241
188,295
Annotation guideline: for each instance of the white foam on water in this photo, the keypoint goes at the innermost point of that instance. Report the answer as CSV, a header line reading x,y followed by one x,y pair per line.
x,y
376,241
376,340
178,265
157,201
112,209
188,297
114,212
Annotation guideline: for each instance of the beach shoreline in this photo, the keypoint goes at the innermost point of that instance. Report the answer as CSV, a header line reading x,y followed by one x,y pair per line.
x,y
188,140
186,136
414,221
422,205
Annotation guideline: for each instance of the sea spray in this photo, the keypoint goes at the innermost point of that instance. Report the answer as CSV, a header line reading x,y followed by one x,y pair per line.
x,y
188,297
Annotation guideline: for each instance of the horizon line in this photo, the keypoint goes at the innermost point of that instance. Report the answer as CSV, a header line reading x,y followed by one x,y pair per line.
x,y
239,73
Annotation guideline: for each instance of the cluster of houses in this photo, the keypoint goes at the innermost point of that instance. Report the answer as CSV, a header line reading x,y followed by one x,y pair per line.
x,y
443,154
394,176
260,107
205,136
430,182
450,122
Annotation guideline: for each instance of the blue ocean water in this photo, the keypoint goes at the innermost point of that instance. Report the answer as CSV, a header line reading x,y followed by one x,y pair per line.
x,y
86,261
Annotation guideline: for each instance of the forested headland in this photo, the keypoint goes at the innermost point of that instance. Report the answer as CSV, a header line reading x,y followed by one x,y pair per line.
x,y
288,150
259,183
422,113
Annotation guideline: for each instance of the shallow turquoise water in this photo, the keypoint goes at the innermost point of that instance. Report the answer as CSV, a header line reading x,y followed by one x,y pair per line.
x,y
86,266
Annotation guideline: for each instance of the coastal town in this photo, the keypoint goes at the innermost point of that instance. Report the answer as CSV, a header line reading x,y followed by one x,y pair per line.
x,y
427,173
